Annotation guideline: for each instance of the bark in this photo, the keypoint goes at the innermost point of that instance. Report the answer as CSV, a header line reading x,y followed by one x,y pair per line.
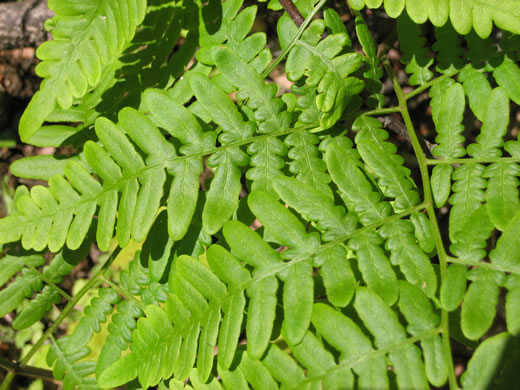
x,y
21,24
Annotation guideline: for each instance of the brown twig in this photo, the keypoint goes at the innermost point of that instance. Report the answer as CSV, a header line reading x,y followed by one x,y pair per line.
x,y
293,12
30,371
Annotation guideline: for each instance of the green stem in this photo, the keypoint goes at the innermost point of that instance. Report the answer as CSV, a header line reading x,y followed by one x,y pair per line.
x,y
427,85
382,111
480,264
428,200
7,380
70,305
295,39
472,160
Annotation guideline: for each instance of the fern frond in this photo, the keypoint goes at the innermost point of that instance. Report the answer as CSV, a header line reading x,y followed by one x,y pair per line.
x,y
480,301
326,69
268,112
137,280
374,73
468,188
450,55
306,164
407,363
415,55
405,252
463,14
23,287
95,313
314,206
447,111
494,126
502,199
483,366
70,368
374,266
477,89
120,330
381,158
507,76
10,265
355,189
88,38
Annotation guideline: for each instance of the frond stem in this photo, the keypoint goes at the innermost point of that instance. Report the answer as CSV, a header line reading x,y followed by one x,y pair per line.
x,y
480,264
427,85
472,160
428,199
29,371
382,111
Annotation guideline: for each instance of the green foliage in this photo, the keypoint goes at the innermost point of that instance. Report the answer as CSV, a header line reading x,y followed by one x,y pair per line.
x,y
272,240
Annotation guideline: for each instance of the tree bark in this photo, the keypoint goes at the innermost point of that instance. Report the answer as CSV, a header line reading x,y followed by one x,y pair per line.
x,y
21,24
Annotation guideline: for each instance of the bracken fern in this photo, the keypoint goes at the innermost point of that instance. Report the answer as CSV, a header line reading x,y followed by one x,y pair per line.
x,y
313,257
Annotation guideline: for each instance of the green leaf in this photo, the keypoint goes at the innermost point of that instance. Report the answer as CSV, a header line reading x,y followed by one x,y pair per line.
x,y
10,265
355,190
494,126
480,301
375,266
345,336
423,231
37,308
405,252
88,39
513,305
121,372
298,297
380,156
207,343
441,183
506,252
178,121
507,76
407,363
256,374
40,167
453,286
282,224
249,246
233,308
338,278
502,193
225,114
261,315
223,195
477,89
447,111
313,205
282,367
23,286
306,164
483,365
470,241
182,199
415,55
